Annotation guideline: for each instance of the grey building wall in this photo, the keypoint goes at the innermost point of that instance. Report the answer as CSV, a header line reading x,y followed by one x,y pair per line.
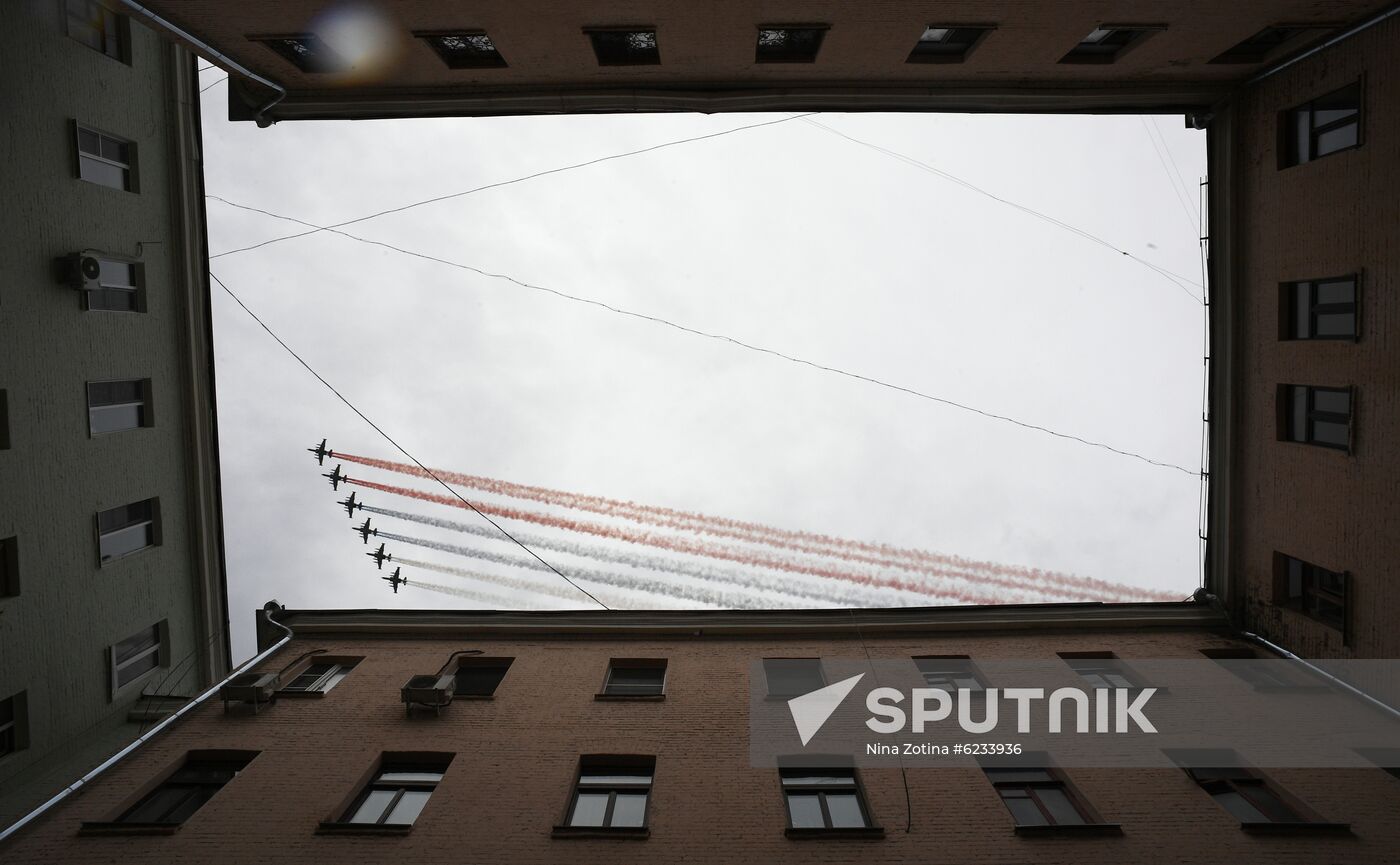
x,y
57,632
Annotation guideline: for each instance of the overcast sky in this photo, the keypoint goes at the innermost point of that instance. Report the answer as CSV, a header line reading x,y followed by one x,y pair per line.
x,y
785,236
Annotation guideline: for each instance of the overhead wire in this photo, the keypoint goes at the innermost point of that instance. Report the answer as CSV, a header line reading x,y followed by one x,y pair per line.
x,y
1175,279
501,183
722,338
1177,193
212,83
400,448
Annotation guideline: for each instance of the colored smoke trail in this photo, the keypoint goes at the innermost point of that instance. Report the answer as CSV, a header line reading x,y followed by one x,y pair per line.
x,y
555,589
729,600
881,555
827,592
678,546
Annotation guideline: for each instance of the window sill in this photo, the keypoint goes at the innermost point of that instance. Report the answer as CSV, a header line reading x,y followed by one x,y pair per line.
x,y
113,561
331,828
101,828
630,698
300,695
865,832
636,833
1299,828
1072,829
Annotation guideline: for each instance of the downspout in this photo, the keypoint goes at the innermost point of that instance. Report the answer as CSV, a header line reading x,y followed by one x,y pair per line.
x,y
1355,691
158,728
1325,44
215,56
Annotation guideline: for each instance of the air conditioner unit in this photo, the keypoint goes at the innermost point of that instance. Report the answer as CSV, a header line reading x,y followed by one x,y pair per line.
x,y
82,272
433,690
259,689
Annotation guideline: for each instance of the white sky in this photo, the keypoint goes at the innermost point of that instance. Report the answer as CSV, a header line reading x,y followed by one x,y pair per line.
x,y
785,236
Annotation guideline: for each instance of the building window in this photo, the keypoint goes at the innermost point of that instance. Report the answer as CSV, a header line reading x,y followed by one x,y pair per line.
x,y
137,655
950,673
305,51
625,46
611,793
790,44
188,789
1107,42
1246,794
320,676
824,799
99,28
114,406
122,290
105,159
9,567
792,677
14,727
1316,415
400,790
1313,591
1318,309
1037,797
480,677
1321,127
1260,45
635,677
942,44
1262,673
466,49
128,529
1099,669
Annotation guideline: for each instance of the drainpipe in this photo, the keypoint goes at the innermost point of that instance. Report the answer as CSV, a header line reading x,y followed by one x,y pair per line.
x,y
1325,44
215,56
183,710
1355,691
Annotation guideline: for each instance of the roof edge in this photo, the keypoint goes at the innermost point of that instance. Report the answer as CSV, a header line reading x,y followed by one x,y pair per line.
x,y
428,624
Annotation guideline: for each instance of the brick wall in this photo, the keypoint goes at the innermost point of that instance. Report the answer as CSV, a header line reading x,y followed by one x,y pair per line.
x,y
516,757
1339,214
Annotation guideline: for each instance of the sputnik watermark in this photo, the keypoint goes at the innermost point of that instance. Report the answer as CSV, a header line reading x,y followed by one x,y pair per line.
x,y
1125,705
1145,712
1122,706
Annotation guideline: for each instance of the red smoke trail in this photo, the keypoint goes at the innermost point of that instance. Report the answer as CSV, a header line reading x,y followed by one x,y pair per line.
x,y
691,548
882,555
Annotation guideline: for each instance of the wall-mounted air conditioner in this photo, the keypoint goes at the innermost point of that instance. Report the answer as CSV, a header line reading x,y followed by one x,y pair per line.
x,y
433,691
257,689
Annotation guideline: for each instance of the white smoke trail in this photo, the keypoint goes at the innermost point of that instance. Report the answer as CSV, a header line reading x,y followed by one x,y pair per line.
x,y
500,601
555,589
728,600
826,592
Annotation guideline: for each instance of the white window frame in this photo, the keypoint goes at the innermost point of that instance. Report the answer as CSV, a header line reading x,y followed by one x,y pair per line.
x,y
161,650
136,288
339,669
128,167
144,402
153,524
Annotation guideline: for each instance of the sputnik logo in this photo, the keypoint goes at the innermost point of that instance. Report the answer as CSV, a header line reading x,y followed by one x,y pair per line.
x,y
811,710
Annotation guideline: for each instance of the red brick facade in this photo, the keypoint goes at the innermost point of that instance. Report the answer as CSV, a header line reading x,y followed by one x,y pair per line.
x,y
1339,214
516,756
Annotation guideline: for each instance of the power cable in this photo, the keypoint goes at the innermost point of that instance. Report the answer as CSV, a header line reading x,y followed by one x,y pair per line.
x,y
1176,169
1175,279
719,337
515,180
1177,193
211,84
396,445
